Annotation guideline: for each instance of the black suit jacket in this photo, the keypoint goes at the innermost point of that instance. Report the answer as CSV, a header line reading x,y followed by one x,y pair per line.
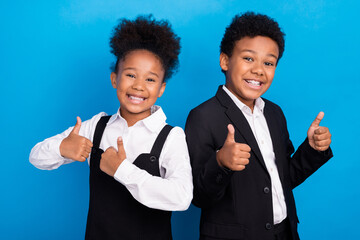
x,y
238,205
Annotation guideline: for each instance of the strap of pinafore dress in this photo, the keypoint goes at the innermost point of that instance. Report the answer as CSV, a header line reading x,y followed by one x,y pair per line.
x,y
99,130
159,142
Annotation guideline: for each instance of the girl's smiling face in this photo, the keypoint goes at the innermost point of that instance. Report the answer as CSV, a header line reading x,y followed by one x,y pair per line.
x,y
138,83
251,68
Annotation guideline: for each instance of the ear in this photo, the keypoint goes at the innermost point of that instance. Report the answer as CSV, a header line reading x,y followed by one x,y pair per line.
x,y
113,77
224,61
162,89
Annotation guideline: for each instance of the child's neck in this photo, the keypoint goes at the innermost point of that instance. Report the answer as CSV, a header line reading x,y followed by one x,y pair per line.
x,y
250,104
133,118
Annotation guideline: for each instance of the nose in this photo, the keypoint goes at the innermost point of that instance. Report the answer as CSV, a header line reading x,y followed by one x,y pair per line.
x,y
258,69
138,84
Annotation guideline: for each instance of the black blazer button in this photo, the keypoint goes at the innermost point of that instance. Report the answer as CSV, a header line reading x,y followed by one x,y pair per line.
x,y
266,190
219,178
268,226
152,159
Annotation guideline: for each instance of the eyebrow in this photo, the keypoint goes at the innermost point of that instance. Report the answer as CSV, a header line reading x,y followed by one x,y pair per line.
x,y
252,51
154,74
131,68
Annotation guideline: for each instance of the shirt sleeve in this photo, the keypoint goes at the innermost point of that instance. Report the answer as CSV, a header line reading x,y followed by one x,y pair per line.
x,y
46,154
171,192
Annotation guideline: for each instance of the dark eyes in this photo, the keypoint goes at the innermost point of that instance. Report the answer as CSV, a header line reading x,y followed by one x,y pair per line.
x,y
133,76
268,64
249,59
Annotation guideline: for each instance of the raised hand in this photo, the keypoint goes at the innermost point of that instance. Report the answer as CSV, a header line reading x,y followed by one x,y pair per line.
x,y
111,159
319,137
74,146
234,156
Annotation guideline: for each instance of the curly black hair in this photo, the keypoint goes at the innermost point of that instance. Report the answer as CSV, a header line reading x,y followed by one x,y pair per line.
x,y
251,25
146,33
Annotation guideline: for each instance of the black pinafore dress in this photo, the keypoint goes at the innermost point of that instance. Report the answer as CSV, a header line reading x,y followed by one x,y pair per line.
x,y
113,211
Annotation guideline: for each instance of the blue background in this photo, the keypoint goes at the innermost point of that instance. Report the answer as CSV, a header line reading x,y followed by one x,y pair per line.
x,y
54,66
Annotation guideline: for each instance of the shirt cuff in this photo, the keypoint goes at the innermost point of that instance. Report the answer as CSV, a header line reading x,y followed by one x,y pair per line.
x,y
124,171
56,144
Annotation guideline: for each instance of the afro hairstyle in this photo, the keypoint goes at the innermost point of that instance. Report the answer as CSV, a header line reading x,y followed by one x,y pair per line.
x,y
146,33
251,25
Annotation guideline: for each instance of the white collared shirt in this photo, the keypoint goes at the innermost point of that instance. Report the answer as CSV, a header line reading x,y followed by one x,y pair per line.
x,y
260,129
172,191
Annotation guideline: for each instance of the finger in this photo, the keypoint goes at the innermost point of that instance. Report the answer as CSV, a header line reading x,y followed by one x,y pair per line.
x,y
244,155
318,119
238,167
77,126
322,136
87,150
110,149
321,130
89,143
244,147
121,149
82,158
85,154
86,143
243,161
322,148
323,143
240,158
231,134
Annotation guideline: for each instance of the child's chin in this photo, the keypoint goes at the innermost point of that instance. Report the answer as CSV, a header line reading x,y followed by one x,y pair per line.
x,y
140,111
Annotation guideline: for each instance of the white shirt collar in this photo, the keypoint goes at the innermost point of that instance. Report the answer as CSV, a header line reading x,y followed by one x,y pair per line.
x,y
259,103
154,122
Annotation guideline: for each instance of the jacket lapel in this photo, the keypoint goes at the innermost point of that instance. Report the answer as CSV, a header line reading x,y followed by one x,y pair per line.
x,y
240,123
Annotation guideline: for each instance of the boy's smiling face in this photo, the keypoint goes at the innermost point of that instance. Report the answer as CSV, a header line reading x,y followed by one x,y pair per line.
x,y
138,83
251,68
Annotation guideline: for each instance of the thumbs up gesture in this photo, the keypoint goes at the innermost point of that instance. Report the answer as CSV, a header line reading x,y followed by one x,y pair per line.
x,y
111,159
319,137
233,155
74,146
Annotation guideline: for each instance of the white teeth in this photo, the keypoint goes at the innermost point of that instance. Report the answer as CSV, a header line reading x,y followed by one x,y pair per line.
x,y
136,98
253,82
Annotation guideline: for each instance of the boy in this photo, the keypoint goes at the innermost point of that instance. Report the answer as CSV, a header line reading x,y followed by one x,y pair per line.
x,y
145,171
240,151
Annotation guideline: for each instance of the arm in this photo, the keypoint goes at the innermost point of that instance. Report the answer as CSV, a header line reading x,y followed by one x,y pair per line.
x,y
306,161
47,154
171,193
210,180
312,153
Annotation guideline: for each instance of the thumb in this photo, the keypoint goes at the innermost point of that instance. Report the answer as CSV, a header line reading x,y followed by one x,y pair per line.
x,y
121,149
77,126
231,134
317,120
